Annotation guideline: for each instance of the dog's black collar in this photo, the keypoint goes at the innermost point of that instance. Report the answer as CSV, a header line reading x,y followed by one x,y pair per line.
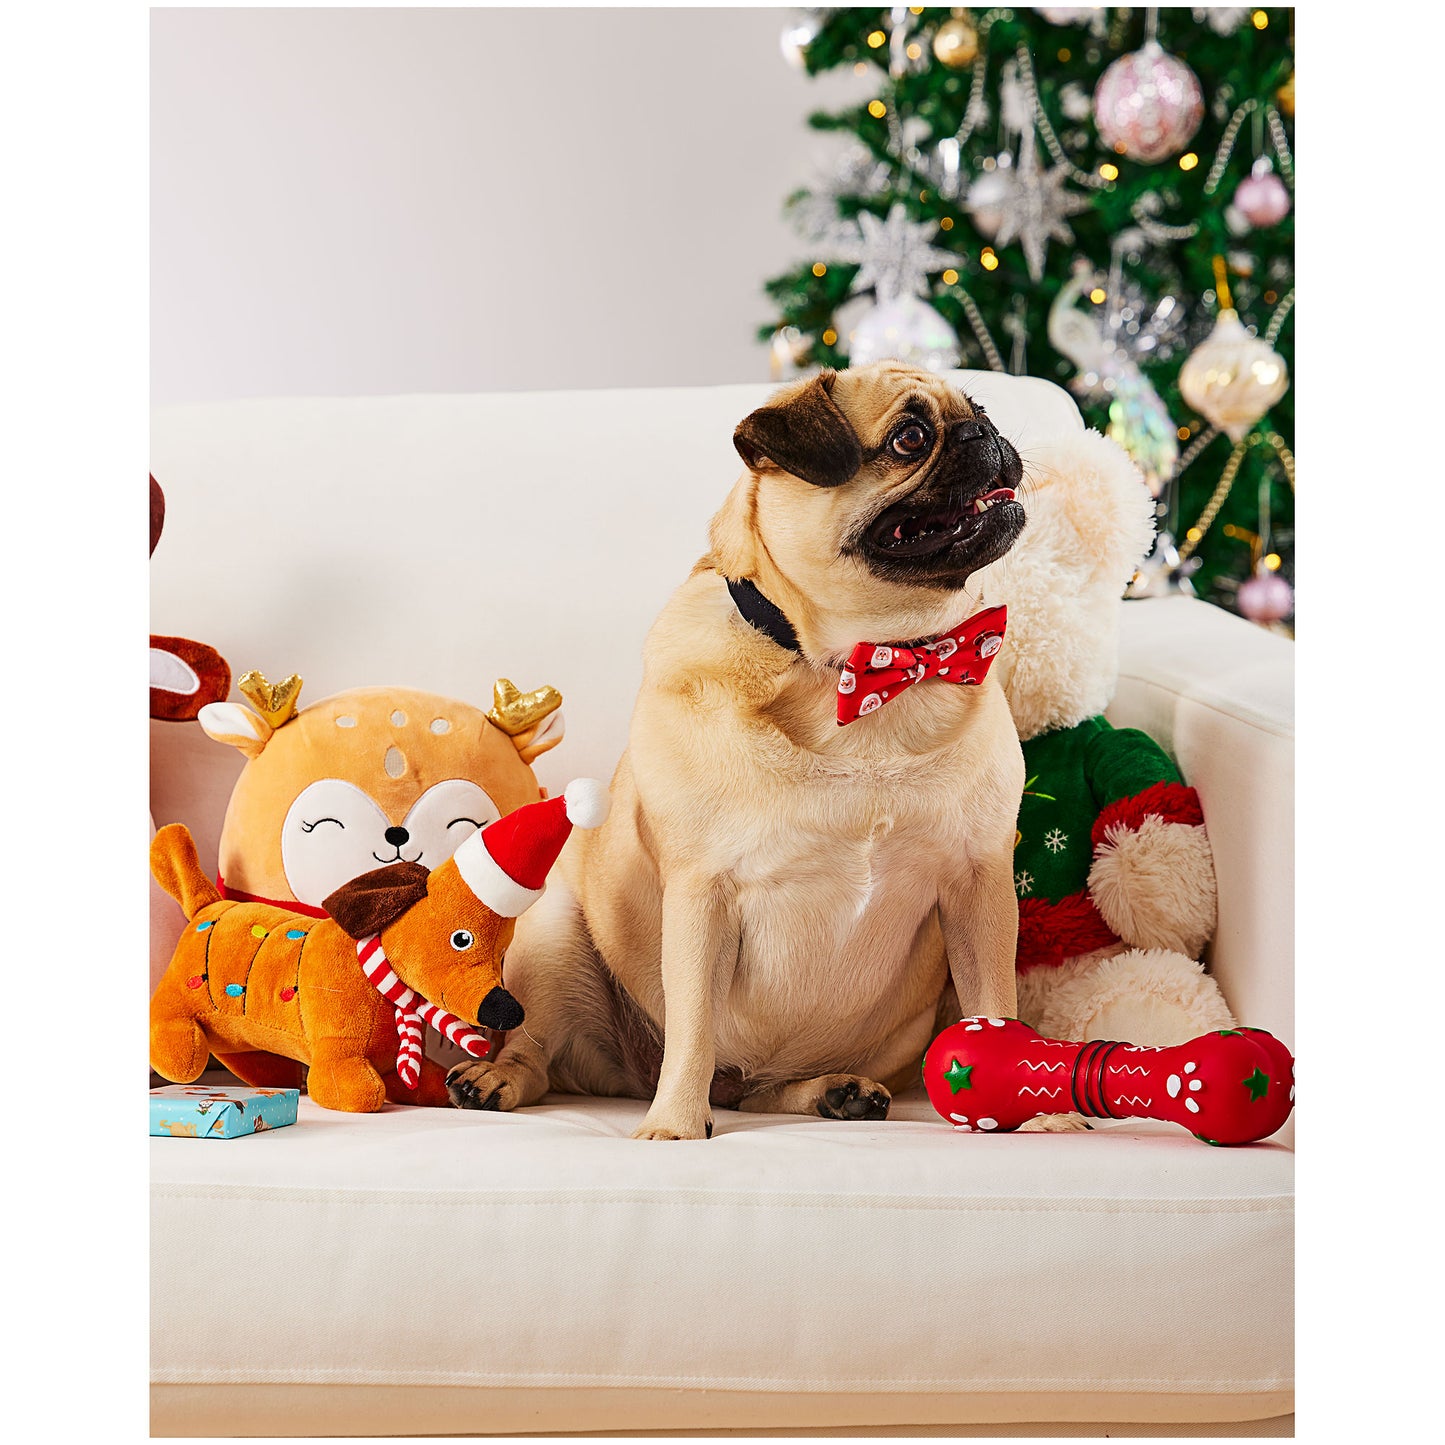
x,y
766,616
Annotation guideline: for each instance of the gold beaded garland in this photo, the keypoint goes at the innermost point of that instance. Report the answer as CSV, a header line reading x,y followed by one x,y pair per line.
x,y
955,44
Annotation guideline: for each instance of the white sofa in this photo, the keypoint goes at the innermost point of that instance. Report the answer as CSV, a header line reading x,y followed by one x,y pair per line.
x,y
429,1271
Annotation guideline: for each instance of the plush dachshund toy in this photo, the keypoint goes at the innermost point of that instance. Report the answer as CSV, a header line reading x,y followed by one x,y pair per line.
x,y
348,994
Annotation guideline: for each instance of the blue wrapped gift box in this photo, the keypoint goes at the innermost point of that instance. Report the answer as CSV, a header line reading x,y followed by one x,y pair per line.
x,y
193,1111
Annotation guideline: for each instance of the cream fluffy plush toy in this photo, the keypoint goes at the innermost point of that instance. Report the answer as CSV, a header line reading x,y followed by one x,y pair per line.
x,y
1112,866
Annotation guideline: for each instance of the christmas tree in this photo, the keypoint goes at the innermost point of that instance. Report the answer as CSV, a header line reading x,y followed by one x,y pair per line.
x,y
1101,197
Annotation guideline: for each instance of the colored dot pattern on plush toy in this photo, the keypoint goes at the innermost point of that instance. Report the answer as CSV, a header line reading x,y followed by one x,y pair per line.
x,y
195,980
235,990
346,722
257,931
202,927
295,933
287,994
440,725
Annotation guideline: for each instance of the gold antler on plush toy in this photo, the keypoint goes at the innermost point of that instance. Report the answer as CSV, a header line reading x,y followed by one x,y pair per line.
x,y
514,712
275,701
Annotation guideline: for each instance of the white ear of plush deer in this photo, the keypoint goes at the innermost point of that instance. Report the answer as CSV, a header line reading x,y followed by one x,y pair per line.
x,y
229,722
541,738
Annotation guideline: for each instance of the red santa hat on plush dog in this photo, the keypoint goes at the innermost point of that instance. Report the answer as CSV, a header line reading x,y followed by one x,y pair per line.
x,y
506,863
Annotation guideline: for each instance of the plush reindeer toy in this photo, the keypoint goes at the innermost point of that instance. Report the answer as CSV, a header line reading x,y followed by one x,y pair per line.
x,y
349,994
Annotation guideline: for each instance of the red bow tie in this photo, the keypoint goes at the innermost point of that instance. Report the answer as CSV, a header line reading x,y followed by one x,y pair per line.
x,y
876,673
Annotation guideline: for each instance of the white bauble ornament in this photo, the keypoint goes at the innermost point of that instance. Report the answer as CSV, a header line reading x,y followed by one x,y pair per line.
x,y
1262,198
1223,19
1074,101
904,328
988,198
1148,105
1069,14
796,39
1232,378
788,353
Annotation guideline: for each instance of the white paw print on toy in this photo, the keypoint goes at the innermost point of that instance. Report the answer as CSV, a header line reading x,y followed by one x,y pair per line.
x,y
1024,882
1055,840
1175,1085
847,682
961,1123
882,656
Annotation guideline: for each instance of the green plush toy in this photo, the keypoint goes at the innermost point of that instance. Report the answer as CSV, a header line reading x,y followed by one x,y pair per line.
x,y
1112,865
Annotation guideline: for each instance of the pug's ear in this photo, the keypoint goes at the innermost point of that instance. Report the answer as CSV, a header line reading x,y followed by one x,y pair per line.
x,y
802,432
377,899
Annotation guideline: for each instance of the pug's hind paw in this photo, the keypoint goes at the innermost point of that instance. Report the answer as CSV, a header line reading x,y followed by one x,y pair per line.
x,y
1053,1124
855,1099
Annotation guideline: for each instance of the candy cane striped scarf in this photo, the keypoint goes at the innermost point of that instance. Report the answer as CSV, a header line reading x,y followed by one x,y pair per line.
x,y
411,1009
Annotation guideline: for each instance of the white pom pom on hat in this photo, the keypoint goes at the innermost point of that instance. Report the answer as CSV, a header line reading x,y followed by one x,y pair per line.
x,y
587,802
506,863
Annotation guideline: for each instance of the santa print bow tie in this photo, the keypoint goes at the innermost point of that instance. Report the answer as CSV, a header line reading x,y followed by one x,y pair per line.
x,y
876,673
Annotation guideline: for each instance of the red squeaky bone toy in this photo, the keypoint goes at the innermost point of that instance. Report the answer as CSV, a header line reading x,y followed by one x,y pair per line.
x,y
1233,1086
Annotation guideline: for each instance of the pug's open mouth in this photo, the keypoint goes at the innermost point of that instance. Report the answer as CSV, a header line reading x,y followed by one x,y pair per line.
x,y
909,532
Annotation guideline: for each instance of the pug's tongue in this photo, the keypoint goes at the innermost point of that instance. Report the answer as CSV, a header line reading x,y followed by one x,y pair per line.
x,y
1000,494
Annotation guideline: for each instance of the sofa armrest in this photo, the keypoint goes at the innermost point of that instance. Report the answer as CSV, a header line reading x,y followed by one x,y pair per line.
x,y
1217,693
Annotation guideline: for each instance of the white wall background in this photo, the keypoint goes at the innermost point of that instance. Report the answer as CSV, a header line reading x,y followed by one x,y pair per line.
x,y
374,201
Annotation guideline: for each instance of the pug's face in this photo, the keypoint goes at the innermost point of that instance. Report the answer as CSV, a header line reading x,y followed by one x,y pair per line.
x,y
891,470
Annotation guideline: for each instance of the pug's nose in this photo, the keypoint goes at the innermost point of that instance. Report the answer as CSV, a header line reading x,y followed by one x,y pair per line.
x,y
965,431
500,1010
396,836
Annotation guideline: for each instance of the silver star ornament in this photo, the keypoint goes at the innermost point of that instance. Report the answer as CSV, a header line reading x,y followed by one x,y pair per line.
x,y
894,256
1035,208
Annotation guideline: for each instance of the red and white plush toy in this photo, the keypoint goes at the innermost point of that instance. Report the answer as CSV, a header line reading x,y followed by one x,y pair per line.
x,y
1232,1086
1112,866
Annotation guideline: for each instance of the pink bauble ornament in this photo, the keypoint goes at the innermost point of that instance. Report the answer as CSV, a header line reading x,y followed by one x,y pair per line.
x,y
1266,597
1148,105
1262,198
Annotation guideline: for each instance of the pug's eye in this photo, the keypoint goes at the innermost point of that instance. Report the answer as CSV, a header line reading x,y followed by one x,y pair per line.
x,y
910,440
462,940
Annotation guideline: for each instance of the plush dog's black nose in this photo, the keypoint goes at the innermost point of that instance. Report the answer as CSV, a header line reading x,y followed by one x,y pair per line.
x,y
500,1010
396,836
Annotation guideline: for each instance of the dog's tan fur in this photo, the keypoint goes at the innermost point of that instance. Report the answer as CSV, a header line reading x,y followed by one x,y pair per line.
x,y
791,897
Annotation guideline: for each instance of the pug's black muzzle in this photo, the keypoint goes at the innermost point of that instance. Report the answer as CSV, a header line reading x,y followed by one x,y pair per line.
x,y
962,516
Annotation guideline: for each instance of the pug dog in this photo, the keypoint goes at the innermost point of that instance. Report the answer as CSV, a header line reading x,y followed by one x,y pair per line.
x,y
771,914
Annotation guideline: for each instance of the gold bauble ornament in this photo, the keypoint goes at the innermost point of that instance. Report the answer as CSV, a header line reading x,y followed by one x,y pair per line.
x,y
955,43
1285,96
1232,378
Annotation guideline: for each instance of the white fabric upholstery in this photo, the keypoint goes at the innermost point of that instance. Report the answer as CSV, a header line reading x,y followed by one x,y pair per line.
x,y
430,1271
545,1251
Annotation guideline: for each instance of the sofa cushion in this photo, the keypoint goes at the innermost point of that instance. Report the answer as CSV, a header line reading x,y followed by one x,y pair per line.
x,y
541,1271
